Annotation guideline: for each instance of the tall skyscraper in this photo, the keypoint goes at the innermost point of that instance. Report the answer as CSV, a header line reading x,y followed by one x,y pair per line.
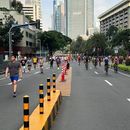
x,y
58,16
79,17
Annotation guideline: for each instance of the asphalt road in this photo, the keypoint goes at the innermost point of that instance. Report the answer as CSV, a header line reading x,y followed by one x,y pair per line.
x,y
11,109
97,101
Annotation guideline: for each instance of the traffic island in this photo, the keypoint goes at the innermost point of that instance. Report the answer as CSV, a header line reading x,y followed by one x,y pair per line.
x,y
45,121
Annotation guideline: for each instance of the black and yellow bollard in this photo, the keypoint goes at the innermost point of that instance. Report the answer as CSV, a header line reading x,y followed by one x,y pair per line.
x,y
48,90
26,112
41,99
54,82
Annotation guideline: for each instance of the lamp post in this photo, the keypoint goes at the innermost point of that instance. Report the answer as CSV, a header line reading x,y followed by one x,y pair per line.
x,y
10,35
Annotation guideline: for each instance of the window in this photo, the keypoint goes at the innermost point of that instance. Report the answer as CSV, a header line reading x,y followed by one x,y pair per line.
x,y
26,34
27,43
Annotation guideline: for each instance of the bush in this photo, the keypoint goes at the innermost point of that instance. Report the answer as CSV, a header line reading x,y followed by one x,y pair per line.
x,y
124,67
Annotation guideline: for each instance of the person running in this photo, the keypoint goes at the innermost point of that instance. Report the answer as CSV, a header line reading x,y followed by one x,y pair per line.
x,y
41,61
23,63
35,62
29,64
15,70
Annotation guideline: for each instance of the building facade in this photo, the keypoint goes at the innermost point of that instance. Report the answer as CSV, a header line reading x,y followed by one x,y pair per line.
x,y
118,15
32,9
5,4
28,42
79,17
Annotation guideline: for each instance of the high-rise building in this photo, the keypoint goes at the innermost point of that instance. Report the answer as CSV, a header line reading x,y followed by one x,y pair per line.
x,y
118,15
79,17
58,16
32,8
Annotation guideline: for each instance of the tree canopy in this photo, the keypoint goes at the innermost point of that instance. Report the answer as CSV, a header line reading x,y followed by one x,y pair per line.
x,y
4,36
53,40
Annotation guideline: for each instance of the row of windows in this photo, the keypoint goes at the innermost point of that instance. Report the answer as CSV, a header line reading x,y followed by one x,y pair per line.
x,y
29,35
29,44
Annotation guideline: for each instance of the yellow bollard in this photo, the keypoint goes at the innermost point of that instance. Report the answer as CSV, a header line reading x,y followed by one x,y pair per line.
x,y
54,82
48,90
26,112
41,99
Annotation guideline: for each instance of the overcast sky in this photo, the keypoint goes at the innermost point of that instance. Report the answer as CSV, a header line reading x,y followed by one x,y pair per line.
x,y
100,7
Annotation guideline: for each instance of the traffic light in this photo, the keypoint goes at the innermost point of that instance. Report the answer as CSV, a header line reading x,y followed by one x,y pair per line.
x,y
38,23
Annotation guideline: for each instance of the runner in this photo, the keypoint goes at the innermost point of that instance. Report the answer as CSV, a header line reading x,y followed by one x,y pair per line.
x,y
23,63
15,70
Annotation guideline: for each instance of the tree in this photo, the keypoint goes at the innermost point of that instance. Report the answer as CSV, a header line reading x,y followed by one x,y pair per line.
x,y
17,5
123,39
98,43
53,40
4,36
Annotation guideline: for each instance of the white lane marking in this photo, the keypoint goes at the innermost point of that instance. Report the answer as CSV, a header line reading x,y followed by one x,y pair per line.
x,y
11,83
108,82
96,72
122,73
128,99
2,78
47,68
37,72
90,68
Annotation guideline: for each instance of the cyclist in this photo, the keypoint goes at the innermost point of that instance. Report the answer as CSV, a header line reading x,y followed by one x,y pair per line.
x,y
15,70
106,64
116,62
79,59
86,60
95,62
58,61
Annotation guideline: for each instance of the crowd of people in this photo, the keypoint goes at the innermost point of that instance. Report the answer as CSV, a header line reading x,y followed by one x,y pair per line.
x,y
108,61
16,68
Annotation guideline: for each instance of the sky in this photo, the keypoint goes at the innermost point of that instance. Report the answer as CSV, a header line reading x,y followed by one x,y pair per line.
x,y
99,7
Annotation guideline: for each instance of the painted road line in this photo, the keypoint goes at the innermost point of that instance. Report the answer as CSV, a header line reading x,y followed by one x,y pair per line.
x,y
108,82
128,99
11,83
90,68
47,68
122,73
96,72
37,72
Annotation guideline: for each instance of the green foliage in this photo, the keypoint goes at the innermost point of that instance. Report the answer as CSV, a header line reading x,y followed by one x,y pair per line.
x,y
4,36
53,40
123,38
124,67
17,5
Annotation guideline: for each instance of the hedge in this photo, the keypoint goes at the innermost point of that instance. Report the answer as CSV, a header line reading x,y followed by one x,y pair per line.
x,y
124,67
